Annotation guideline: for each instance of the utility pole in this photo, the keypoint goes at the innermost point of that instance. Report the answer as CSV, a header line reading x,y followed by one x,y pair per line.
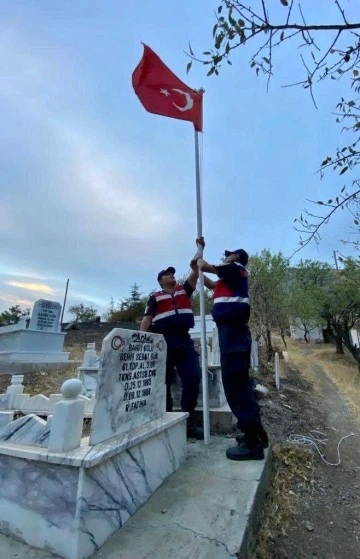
x,y
336,262
65,297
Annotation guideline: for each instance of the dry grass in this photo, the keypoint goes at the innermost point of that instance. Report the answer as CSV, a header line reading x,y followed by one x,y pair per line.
x,y
341,369
76,351
292,469
298,360
344,372
42,381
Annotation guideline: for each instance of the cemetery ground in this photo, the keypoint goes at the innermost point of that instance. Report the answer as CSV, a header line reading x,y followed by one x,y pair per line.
x,y
312,509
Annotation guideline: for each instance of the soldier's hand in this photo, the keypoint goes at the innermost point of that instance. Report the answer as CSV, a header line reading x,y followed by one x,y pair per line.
x,y
201,241
193,264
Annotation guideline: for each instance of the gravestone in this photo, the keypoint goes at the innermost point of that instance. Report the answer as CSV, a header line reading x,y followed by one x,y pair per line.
x,y
131,383
45,316
40,341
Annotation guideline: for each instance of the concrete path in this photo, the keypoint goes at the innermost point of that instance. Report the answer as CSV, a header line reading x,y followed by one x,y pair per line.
x,y
208,510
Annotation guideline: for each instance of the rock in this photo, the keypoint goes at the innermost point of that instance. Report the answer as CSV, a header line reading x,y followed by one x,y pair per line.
x,y
309,527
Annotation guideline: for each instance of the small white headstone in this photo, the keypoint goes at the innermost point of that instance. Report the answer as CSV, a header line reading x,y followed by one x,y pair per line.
x,y
131,383
215,347
254,355
277,371
45,316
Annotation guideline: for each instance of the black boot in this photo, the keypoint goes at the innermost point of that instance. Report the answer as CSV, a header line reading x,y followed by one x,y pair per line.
x,y
249,449
261,435
192,430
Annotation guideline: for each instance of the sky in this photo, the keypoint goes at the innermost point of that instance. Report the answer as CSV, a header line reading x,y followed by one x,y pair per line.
x,y
97,190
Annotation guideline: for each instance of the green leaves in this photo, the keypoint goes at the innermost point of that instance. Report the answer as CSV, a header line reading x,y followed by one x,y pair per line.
x,y
218,40
326,161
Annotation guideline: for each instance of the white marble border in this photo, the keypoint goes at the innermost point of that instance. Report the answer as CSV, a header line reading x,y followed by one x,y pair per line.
x,y
88,456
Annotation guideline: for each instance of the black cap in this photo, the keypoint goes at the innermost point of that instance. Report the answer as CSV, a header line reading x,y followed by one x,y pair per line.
x,y
169,270
243,255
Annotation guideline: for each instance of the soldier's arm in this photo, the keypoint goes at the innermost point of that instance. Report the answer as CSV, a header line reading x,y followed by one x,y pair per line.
x,y
148,314
146,323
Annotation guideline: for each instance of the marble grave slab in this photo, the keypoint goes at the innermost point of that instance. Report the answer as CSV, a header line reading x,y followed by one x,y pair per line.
x,y
131,383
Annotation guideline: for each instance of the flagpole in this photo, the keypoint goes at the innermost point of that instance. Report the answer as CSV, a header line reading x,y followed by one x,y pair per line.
x,y
205,387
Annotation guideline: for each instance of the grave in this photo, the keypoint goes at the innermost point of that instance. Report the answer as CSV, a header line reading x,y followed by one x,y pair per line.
x,y
89,371
82,490
40,341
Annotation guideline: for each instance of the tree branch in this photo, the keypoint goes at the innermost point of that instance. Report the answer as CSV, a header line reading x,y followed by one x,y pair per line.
x,y
314,232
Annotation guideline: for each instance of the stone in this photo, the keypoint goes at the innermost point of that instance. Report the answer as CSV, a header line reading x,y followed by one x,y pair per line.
x,y
131,386
90,356
71,503
89,370
71,389
277,371
6,417
89,378
45,316
254,355
29,430
213,511
5,401
216,393
41,342
15,388
67,421
215,348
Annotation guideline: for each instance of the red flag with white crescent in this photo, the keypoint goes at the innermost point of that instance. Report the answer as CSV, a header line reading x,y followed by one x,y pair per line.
x,y
161,92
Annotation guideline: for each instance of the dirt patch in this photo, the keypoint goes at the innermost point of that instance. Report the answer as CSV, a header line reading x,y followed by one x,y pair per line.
x,y
314,511
42,381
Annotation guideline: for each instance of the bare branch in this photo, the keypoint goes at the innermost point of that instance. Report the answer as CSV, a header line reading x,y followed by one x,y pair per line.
x,y
289,12
341,11
264,10
315,228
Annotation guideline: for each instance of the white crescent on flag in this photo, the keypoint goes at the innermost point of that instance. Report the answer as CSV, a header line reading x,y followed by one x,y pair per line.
x,y
189,101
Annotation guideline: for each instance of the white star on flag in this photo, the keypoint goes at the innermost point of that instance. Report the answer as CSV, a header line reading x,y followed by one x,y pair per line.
x,y
164,92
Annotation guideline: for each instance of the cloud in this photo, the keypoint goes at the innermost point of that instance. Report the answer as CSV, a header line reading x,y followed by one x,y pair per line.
x,y
9,300
75,202
42,287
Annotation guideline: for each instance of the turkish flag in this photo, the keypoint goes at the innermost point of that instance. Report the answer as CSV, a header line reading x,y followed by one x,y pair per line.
x,y
162,93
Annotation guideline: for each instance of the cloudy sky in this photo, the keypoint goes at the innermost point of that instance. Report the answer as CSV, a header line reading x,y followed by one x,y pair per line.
x,y
95,189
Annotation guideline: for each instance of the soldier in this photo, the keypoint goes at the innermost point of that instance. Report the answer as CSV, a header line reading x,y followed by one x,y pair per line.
x,y
169,312
231,313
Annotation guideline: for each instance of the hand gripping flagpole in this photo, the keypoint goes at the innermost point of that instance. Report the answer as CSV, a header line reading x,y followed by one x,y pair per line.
x,y
205,387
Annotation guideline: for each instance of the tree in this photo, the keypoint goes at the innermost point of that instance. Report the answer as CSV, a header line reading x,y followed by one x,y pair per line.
x,y
269,295
196,302
82,313
270,26
130,309
306,294
195,299
341,305
344,161
13,315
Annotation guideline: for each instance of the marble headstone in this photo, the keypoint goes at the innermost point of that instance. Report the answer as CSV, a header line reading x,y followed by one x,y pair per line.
x,y
45,316
131,383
